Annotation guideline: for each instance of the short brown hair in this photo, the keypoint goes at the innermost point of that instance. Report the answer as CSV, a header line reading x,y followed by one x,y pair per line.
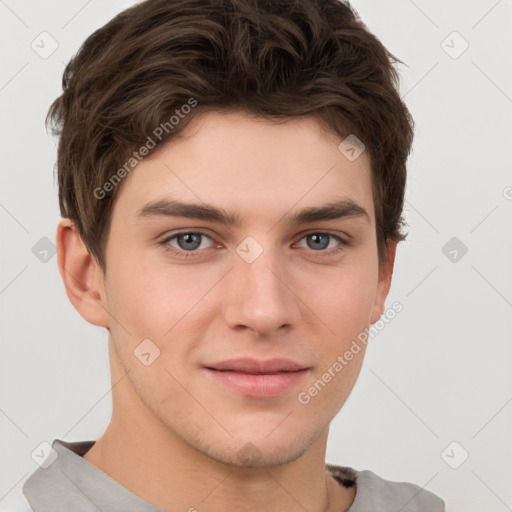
x,y
276,59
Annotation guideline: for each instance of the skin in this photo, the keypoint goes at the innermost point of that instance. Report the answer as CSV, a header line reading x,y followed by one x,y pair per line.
x,y
176,435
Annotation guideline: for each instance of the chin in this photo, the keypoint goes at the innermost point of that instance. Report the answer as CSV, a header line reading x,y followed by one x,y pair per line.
x,y
251,456
253,453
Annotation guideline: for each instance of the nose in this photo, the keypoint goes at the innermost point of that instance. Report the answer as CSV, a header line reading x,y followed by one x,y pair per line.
x,y
260,296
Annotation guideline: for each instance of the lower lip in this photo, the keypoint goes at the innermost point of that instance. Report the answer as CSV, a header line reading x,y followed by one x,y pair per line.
x,y
262,385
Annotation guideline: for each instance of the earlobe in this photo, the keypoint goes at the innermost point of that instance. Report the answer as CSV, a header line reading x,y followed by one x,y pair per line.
x,y
81,274
385,275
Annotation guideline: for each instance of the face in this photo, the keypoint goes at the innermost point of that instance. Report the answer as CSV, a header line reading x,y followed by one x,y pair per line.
x,y
246,300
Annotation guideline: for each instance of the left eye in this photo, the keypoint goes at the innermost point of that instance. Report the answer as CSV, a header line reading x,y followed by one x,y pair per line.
x,y
320,240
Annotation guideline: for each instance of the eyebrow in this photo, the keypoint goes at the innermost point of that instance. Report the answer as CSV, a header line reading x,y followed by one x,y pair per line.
x,y
344,208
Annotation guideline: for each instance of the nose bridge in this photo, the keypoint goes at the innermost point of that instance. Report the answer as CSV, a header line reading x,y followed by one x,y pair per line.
x,y
260,297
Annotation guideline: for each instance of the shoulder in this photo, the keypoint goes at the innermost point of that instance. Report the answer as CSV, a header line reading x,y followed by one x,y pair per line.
x,y
376,493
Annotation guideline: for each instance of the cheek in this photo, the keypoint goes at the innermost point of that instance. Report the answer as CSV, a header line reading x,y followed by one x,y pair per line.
x,y
158,302
150,297
151,303
344,300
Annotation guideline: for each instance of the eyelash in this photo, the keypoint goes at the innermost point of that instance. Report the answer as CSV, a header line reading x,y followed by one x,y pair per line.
x,y
197,252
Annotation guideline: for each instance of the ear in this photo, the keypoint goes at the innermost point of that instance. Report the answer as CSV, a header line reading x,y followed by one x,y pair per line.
x,y
385,274
81,274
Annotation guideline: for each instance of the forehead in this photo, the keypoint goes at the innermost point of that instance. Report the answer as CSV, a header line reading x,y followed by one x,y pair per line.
x,y
254,165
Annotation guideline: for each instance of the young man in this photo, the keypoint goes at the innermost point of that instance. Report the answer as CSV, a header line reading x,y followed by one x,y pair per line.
x,y
231,181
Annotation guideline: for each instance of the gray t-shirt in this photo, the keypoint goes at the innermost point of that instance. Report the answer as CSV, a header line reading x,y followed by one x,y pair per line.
x,y
70,483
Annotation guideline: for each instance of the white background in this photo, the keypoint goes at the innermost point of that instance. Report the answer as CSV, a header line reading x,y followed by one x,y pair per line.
x,y
439,372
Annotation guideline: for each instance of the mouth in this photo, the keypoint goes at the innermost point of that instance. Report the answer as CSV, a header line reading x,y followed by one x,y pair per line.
x,y
256,378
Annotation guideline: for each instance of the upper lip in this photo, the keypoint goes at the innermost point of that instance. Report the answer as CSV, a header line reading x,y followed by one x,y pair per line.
x,y
251,365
